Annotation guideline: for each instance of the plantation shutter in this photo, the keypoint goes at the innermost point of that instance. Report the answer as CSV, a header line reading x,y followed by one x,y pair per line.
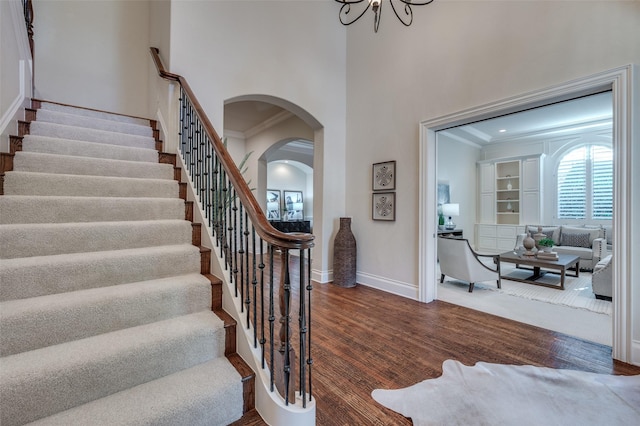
x,y
602,181
585,183
572,185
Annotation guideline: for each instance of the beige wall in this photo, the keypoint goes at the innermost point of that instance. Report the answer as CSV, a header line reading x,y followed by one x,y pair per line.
x,y
368,91
455,56
294,51
93,54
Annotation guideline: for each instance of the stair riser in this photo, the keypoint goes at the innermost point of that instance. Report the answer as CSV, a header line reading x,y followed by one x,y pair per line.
x,y
39,276
25,209
51,320
52,239
92,123
53,379
62,164
47,145
89,135
23,183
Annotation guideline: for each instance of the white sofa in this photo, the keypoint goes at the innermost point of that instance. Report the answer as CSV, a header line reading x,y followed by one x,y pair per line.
x,y
587,242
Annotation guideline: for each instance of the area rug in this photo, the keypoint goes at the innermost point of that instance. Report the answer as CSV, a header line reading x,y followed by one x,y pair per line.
x,y
577,293
497,394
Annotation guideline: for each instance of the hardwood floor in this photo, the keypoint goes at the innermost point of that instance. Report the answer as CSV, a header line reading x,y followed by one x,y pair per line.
x,y
364,339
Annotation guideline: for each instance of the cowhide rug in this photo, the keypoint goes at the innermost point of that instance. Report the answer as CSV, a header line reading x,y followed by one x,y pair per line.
x,y
497,394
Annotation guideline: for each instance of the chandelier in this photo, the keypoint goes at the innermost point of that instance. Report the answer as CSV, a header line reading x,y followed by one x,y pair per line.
x,y
376,6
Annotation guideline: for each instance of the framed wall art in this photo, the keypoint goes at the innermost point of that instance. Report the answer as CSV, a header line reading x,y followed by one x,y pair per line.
x,y
384,176
293,205
384,206
273,204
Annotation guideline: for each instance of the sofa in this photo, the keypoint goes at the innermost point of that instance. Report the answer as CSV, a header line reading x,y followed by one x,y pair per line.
x,y
586,241
602,279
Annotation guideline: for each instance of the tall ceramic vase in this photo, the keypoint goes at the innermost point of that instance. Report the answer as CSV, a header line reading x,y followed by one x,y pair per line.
x,y
344,255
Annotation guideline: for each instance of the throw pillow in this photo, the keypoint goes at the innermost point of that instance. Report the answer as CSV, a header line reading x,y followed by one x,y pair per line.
x,y
593,233
576,240
552,232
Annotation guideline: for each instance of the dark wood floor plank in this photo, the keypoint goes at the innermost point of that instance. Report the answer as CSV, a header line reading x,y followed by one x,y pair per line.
x,y
364,339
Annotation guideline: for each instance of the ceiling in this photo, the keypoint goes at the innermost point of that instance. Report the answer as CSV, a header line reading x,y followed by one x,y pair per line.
x,y
586,111
250,117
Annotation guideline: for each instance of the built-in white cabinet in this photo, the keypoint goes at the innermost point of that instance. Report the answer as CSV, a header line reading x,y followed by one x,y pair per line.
x,y
509,197
497,238
508,192
531,190
487,194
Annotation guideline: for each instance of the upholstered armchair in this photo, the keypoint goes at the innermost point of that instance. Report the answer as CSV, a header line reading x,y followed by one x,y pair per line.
x,y
602,279
458,260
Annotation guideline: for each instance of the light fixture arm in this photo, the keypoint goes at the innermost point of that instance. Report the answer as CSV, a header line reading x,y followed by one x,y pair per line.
x,y
376,6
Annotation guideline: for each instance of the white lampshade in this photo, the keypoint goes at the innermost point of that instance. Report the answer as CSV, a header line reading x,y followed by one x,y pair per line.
x,y
451,209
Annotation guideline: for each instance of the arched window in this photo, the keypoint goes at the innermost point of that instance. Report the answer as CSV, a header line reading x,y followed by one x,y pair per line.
x,y
585,183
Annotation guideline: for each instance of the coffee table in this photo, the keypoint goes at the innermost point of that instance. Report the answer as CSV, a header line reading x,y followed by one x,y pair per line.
x,y
559,266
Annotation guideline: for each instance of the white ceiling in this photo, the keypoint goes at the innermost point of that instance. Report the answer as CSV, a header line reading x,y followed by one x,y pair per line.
x,y
568,115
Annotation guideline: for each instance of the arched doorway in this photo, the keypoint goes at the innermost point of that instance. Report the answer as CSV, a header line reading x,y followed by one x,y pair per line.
x,y
262,129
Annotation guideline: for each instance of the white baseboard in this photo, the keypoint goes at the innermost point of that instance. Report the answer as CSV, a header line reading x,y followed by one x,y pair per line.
x,y
323,277
399,288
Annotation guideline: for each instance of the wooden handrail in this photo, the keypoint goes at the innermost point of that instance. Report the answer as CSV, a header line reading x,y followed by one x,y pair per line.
x,y
264,229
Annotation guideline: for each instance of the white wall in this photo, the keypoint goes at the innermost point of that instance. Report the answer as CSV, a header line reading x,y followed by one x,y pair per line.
x,y
455,56
293,51
457,166
93,54
15,70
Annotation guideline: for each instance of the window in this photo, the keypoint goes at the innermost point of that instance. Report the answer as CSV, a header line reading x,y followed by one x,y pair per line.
x,y
585,183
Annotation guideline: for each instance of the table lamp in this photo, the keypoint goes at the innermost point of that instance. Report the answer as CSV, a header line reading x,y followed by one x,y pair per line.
x,y
450,210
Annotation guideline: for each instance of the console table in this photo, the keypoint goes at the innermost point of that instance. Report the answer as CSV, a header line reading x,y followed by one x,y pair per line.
x,y
292,225
450,233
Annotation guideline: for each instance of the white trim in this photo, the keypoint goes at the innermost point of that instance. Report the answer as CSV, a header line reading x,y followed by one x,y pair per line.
x,y
17,104
619,80
320,276
385,284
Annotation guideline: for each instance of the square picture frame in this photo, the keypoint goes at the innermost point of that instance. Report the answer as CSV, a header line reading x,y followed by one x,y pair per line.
x,y
384,176
273,204
383,206
293,205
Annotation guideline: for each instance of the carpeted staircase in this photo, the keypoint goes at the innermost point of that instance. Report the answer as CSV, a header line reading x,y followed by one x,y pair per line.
x,y
105,295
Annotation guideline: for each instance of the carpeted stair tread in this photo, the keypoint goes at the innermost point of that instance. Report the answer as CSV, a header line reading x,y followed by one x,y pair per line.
x,y
90,135
40,209
29,183
103,115
50,145
105,316
73,165
45,381
188,397
72,119
46,239
37,322
41,275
